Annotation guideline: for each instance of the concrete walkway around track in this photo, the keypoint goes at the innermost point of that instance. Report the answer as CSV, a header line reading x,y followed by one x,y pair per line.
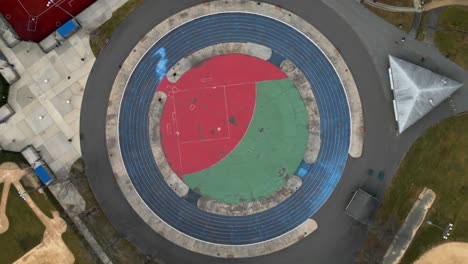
x,y
112,121
409,228
305,89
267,155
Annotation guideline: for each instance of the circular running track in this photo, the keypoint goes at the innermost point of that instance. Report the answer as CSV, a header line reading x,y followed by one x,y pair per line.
x,y
319,179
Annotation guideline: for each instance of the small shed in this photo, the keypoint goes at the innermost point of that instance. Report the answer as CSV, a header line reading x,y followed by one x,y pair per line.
x,y
362,207
43,173
31,155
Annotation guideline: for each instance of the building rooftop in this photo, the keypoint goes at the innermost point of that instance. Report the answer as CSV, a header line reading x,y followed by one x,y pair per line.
x,y
416,91
35,20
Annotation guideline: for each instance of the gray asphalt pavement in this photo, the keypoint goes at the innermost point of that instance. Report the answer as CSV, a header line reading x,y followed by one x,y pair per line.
x,y
415,25
364,41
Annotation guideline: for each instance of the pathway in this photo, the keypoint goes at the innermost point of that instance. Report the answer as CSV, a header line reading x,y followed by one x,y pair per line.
x,y
415,25
390,8
409,228
9,173
441,3
52,249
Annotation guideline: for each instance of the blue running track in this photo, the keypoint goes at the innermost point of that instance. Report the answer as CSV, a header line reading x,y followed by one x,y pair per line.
x,y
320,178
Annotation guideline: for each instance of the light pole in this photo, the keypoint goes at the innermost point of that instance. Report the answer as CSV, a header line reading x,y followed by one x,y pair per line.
x,y
445,231
432,224
52,2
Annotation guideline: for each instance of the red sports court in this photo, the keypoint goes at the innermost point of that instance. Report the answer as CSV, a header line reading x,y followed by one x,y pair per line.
x,y
209,110
34,20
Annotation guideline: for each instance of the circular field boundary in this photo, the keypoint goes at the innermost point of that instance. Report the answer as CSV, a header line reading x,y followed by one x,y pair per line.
x,y
123,76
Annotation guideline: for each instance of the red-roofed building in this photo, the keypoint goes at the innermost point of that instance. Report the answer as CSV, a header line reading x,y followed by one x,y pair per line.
x,y
34,20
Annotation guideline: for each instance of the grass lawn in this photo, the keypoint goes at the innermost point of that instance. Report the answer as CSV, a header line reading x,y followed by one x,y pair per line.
x,y
454,44
438,160
4,87
72,238
400,20
76,243
15,157
404,3
100,36
26,230
117,248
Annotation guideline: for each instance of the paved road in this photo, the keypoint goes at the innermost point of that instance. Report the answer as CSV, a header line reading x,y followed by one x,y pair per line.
x,y
364,41
390,8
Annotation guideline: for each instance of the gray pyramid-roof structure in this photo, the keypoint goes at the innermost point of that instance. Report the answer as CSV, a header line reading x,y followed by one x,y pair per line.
x,y
416,91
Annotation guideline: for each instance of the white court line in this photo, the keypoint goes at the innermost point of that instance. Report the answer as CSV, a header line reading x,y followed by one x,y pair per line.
x,y
204,140
32,23
227,113
226,109
19,1
47,9
168,129
214,87
177,132
174,115
174,122
58,3
205,79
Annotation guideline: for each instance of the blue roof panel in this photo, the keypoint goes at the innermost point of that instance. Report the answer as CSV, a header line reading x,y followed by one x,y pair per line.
x,y
43,175
68,28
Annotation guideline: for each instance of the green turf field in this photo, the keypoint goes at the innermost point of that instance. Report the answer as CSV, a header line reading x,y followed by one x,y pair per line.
x,y
271,149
